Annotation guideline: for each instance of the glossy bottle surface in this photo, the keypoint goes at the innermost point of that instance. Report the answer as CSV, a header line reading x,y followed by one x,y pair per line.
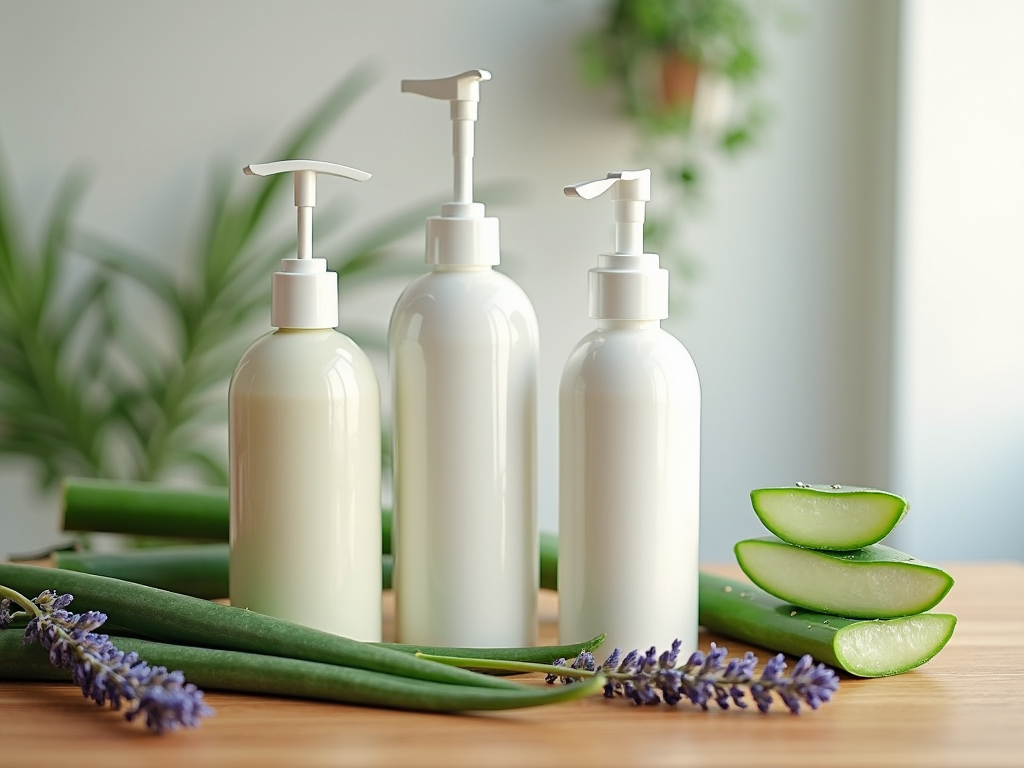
x,y
463,355
629,448
305,483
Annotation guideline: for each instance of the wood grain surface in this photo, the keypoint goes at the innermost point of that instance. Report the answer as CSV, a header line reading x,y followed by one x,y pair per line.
x,y
964,709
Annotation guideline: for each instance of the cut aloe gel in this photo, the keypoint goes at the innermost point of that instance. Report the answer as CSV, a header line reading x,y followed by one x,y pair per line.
x,y
875,582
828,516
866,648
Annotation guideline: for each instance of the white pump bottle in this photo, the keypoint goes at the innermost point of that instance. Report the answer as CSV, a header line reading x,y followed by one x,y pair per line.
x,y
463,346
629,421
304,423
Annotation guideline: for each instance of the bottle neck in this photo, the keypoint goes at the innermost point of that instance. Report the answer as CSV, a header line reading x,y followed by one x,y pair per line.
x,y
628,325
300,331
462,267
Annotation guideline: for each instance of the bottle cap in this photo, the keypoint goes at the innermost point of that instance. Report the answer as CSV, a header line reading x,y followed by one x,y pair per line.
x,y
304,294
462,234
627,284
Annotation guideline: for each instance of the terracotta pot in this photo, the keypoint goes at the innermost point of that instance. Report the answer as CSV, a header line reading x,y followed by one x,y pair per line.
x,y
678,81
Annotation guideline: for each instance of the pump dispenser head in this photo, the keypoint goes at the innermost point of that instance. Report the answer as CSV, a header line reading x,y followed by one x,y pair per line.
x,y
304,294
462,234
627,284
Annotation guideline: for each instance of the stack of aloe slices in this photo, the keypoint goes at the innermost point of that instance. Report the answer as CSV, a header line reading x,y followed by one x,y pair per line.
x,y
827,587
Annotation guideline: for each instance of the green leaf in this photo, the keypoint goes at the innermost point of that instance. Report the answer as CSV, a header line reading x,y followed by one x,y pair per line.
x,y
76,306
217,217
735,139
125,261
10,236
212,469
55,246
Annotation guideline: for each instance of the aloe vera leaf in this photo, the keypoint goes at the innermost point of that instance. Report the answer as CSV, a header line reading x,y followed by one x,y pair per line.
x,y
199,570
145,509
549,560
152,509
862,647
178,619
141,508
828,516
532,654
202,571
217,669
875,582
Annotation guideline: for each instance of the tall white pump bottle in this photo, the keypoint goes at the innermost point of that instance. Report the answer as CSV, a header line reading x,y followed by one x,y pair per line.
x,y
629,451
304,424
463,348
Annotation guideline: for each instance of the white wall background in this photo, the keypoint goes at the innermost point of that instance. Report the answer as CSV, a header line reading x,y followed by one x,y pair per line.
x,y
790,320
959,379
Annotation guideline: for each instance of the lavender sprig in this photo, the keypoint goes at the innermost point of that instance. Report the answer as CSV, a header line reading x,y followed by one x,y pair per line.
x,y
649,678
104,673
640,677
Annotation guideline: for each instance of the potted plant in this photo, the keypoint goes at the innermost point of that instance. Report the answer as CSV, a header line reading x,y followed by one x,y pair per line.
x,y
662,52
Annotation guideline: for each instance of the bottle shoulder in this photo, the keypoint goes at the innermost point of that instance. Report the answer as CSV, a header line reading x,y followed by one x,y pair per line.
x,y
619,357
304,361
298,344
462,291
469,305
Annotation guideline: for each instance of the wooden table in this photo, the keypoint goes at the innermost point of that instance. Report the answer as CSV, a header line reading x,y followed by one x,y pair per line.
x,y
964,709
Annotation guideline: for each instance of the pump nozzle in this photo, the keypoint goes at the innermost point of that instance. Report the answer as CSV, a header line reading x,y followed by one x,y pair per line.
x,y
305,191
627,284
463,91
632,192
462,234
304,294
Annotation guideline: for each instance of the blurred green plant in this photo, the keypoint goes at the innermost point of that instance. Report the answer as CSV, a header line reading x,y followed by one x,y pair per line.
x,y
687,71
87,391
657,50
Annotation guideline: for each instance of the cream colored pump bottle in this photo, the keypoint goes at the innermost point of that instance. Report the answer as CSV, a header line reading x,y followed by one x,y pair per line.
x,y
304,424
463,351
629,451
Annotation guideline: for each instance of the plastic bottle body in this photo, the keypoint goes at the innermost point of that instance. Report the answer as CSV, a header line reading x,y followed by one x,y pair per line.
x,y
463,354
304,415
629,452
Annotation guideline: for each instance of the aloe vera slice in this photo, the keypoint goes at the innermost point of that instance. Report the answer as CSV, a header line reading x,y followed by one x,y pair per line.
x,y
862,647
828,516
875,582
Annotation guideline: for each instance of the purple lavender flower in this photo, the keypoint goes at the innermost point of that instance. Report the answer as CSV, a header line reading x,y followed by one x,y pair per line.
x,y
807,683
584,661
552,677
108,675
610,665
667,660
703,678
